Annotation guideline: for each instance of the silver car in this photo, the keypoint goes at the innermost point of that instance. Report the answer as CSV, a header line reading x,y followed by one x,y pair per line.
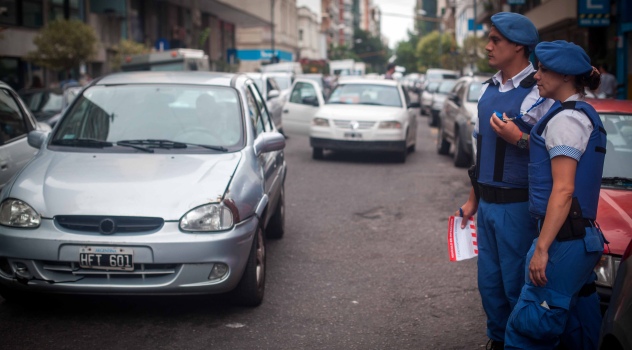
x,y
151,183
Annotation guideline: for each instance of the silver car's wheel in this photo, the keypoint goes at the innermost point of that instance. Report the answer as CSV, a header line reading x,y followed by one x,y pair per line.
x,y
251,287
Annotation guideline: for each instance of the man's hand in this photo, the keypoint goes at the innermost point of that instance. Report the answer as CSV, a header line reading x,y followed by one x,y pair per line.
x,y
506,130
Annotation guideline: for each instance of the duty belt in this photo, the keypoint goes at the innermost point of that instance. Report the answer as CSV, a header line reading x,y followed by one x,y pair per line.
x,y
499,195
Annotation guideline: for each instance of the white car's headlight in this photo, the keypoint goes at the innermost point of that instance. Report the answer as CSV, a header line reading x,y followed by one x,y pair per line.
x,y
320,122
606,270
16,213
391,124
208,218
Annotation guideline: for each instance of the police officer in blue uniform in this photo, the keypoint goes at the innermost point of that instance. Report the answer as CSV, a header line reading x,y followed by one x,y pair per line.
x,y
499,180
558,303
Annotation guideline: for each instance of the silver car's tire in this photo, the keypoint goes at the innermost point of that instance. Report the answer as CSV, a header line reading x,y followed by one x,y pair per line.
x,y
13,296
250,290
276,226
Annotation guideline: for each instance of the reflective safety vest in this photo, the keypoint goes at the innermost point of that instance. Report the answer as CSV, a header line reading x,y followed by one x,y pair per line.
x,y
501,164
589,168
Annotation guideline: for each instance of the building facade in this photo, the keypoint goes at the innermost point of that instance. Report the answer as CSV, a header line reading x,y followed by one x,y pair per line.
x,y
209,25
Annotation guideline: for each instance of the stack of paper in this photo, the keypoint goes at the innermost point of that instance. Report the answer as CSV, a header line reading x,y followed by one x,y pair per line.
x,y
461,242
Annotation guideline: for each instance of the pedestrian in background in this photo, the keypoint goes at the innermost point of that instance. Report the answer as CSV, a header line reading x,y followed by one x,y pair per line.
x,y
608,86
558,302
390,70
505,228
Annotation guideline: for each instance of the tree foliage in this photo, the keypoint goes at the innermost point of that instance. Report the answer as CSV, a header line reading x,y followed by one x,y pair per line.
x,y
474,54
63,45
406,53
342,52
438,50
126,48
370,50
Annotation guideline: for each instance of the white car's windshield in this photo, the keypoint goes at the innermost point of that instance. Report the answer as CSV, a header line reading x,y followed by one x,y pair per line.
x,y
180,113
369,94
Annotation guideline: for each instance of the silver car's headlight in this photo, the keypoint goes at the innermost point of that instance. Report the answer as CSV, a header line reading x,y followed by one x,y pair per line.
x,y
208,218
391,124
606,270
16,213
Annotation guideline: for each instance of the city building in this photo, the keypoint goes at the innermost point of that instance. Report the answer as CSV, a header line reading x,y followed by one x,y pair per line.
x,y
204,24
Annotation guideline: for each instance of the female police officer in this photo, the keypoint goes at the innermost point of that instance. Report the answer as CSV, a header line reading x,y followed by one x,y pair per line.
x,y
567,150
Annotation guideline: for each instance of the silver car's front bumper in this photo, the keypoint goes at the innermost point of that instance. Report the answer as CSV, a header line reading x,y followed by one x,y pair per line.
x,y
168,261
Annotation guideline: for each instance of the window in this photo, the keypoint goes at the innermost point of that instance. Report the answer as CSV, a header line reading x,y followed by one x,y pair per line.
x,y
263,123
301,91
253,111
12,124
27,13
300,34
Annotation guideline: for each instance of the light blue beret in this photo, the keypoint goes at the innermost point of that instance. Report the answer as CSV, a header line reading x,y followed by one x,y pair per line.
x,y
516,28
563,57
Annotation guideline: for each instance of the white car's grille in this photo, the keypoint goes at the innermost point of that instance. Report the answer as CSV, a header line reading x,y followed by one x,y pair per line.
x,y
348,124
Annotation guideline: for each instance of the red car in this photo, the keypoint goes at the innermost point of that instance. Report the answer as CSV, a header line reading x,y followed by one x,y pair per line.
x,y
614,214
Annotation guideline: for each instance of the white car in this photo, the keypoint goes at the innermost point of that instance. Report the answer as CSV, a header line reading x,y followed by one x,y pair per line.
x,y
363,114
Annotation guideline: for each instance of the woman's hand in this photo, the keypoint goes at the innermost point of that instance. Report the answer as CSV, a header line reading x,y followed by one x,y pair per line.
x,y
537,267
506,130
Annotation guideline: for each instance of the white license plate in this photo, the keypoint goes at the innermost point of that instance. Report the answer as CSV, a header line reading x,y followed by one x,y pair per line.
x,y
106,258
353,135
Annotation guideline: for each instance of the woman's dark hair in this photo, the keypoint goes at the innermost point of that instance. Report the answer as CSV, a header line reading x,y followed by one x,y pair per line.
x,y
590,80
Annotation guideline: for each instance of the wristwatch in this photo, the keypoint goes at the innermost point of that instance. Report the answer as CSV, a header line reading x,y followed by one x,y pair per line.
x,y
523,142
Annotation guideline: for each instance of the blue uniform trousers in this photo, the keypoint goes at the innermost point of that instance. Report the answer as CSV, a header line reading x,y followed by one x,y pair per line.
x,y
544,315
505,233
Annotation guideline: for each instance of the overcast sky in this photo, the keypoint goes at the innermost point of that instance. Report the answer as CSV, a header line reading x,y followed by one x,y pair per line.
x,y
397,17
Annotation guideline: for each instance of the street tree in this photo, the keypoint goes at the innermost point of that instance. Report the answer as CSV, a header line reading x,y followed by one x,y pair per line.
x,y
406,53
474,54
342,52
438,50
370,50
63,45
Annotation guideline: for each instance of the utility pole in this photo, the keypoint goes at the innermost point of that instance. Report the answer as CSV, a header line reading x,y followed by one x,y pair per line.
x,y
273,58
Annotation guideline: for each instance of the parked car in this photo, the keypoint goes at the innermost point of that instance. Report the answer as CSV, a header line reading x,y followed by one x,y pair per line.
x,y
433,74
426,96
271,91
617,321
151,183
615,198
457,120
16,121
320,80
438,98
365,114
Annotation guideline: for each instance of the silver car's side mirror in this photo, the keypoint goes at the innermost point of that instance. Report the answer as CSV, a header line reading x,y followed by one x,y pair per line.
x,y
36,138
268,142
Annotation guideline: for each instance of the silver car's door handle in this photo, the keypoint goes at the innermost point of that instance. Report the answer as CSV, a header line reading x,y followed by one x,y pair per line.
x,y
286,111
4,166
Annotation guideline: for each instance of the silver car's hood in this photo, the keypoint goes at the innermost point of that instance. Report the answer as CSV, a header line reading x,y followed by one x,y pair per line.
x,y
359,112
137,184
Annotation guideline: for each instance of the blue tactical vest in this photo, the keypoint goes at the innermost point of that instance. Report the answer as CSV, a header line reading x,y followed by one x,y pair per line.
x,y
503,164
589,168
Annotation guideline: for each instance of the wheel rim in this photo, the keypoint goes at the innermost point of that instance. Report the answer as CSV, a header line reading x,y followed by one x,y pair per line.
x,y
261,258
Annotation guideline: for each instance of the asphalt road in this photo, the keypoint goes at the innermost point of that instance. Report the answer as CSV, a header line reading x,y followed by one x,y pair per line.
x,y
363,265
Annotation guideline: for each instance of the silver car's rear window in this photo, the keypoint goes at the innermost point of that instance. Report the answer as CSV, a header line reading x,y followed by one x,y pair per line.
x,y
205,115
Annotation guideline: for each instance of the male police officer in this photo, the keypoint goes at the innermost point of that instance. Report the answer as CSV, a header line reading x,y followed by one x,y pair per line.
x,y
499,193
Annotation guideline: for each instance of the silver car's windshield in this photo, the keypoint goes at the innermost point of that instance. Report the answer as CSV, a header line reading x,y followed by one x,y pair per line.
x,y
154,117
367,94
